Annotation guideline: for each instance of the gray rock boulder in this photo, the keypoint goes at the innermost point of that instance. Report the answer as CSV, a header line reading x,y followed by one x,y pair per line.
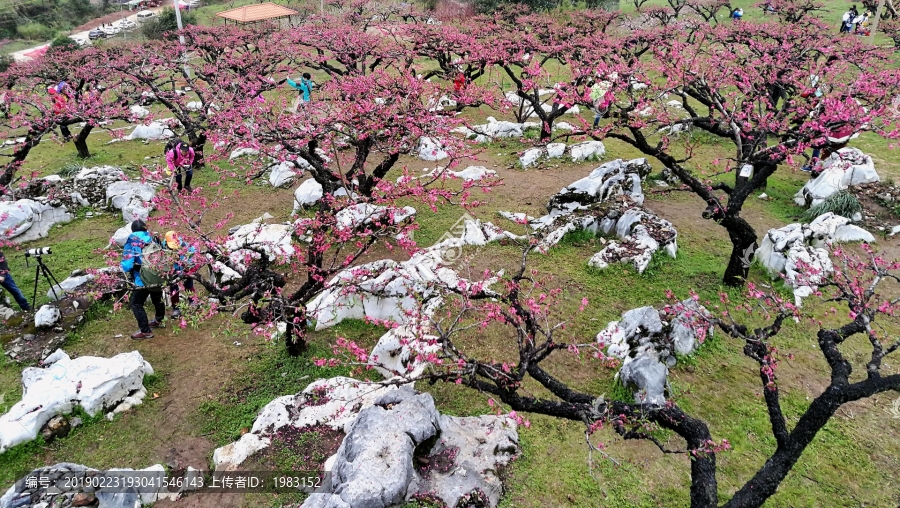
x,y
610,179
69,285
647,376
690,320
6,313
402,446
469,456
374,467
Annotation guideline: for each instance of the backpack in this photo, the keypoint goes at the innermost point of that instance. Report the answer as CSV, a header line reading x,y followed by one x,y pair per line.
x,y
156,264
171,145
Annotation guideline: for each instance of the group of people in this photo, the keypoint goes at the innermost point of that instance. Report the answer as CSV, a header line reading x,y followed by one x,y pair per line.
x,y
854,22
149,282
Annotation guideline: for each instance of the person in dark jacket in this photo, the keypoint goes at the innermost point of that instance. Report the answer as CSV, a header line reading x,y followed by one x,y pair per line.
x,y
6,280
131,265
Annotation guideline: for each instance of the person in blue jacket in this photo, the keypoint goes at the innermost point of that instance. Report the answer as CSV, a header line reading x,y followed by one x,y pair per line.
x,y
131,265
7,282
304,87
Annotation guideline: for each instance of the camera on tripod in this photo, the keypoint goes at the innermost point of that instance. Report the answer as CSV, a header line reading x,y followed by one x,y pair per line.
x,y
36,253
41,269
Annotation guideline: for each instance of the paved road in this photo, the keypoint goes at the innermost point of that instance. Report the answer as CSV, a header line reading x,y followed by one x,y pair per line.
x,y
20,56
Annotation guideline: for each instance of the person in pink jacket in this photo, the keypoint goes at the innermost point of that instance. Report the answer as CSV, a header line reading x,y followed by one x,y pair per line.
x,y
180,159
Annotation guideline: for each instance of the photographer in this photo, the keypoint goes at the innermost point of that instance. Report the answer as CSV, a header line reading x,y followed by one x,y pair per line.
x,y
6,280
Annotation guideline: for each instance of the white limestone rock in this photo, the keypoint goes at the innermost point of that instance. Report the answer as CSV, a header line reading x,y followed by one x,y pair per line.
x,y
242,152
151,131
133,198
841,170
284,173
431,149
273,239
531,156
139,112
46,316
69,285
555,150
334,402
587,150
95,384
307,194
402,351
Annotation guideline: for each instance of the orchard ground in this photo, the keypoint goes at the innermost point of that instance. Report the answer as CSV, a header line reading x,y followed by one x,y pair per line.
x,y
213,376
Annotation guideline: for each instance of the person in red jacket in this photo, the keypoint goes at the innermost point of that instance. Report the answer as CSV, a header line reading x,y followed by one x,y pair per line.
x,y
459,83
180,159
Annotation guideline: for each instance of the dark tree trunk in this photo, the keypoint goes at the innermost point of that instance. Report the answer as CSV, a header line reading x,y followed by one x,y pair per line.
x,y
197,142
295,335
80,142
64,130
18,157
546,129
743,246
766,481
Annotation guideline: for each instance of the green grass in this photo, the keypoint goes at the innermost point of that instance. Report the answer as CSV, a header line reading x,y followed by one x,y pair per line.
x,y
853,461
270,375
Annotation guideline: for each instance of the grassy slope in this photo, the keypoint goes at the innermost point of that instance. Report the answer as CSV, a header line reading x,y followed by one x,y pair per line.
x,y
854,461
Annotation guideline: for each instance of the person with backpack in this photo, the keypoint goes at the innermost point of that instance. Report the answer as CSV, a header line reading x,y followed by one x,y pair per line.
x,y
180,159
147,283
601,98
185,257
7,282
304,87
737,14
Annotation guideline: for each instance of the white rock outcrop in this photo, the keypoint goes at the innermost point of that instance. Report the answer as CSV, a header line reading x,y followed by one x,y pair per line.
x,y
646,340
134,199
96,384
26,220
587,150
608,200
307,194
284,173
46,316
431,149
150,132
470,174
845,168
786,249
275,240
333,402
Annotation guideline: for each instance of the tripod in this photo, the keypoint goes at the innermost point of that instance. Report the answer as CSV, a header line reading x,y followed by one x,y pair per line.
x,y
41,268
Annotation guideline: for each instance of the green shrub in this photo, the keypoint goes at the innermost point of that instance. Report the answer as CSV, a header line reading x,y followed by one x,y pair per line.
x,y
5,62
165,25
842,203
63,43
35,32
